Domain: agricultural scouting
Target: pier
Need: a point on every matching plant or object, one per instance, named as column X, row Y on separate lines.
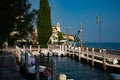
column 106, row 60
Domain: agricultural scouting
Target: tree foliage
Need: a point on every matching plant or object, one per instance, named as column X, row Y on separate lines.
column 15, row 15
column 44, row 23
column 9, row 10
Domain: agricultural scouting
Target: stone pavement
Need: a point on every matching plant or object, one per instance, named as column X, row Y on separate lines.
column 8, row 68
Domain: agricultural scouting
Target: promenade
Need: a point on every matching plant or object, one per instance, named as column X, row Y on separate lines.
column 8, row 68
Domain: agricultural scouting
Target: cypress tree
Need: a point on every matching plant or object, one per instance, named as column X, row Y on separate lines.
column 44, row 27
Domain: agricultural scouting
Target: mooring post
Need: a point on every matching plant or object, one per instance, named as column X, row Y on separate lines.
column 26, row 64
column 87, row 54
column 69, row 51
column 73, row 51
column 60, row 48
column 79, row 53
column 104, row 59
column 38, row 48
column 92, row 56
column 30, row 49
column 37, row 68
column 24, row 48
column 65, row 49
column 22, row 59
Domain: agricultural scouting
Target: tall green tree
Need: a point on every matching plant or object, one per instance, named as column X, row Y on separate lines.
column 44, row 27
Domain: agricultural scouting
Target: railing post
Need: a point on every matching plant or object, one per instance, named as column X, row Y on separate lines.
column 92, row 56
column 66, row 49
column 104, row 59
column 73, row 51
column 79, row 54
column 87, row 54
column 60, row 48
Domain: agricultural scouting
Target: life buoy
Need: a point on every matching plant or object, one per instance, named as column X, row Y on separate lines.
column 47, row 71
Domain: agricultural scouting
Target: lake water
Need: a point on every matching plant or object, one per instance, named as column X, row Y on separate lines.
column 77, row 70
column 104, row 45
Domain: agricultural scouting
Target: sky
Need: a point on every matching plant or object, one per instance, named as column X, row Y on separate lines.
column 71, row 13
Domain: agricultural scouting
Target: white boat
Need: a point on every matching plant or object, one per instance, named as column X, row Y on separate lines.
column 32, row 69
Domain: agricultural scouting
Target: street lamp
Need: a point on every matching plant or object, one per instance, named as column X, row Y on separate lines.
column 98, row 20
column 81, row 35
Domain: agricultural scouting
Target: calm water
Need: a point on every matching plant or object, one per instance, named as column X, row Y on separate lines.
column 77, row 70
column 105, row 45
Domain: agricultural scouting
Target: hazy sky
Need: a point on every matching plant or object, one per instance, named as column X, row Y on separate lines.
column 70, row 13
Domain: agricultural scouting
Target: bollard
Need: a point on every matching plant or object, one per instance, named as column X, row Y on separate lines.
column 92, row 56
column 37, row 67
column 87, row 55
column 104, row 60
column 79, row 54
column 62, row 77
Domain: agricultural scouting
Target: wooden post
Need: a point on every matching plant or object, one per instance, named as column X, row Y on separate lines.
column 30, row 48
column 38, row 49
column 104, row 59
column 73, row 51
column 60, row 48
column 92, row 56
column 26, row 64
column 37, row 68
column 48, row 54
column 87, row 54
column 66, row 48
column 24, row 48
column 79, row 54
column 69, row 52
column 22, row 59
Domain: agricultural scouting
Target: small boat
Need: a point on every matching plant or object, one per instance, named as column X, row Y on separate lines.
column 45, row 73
column 115, row 76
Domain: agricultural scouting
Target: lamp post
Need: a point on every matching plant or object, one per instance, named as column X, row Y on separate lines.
column 98, row 20
column 81, row 35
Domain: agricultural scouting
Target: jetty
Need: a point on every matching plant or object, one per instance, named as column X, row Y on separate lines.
column 107, row 60
column 104, row 59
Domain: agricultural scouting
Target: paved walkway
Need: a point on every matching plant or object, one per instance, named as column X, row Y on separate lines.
column 8, row 68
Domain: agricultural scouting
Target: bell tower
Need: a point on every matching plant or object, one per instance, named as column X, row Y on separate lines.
column 58, row 27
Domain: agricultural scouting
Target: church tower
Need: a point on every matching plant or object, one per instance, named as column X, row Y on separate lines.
column 58, row 27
